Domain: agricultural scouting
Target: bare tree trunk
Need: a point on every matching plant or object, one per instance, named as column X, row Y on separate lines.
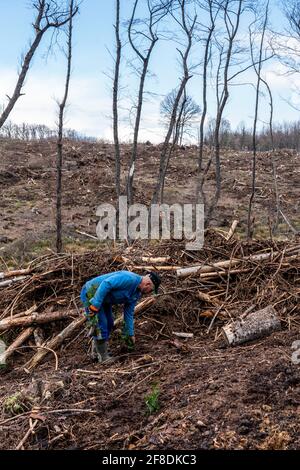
column 115, row 99
column 59, row 160
column 48, row 16
column 200, row 182
column 164, row 156
column 273, row 156
column 258, row 72
column 131, row 171
column 232, row 29
column 156, row 13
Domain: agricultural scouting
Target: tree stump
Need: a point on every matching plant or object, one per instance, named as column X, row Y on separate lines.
column 254, row 326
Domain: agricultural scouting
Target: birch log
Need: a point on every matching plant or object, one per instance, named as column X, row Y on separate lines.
column 254, row 326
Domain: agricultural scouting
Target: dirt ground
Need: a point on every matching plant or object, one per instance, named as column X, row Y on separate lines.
column 203, row 394
column 27, row 178
column 210, row 396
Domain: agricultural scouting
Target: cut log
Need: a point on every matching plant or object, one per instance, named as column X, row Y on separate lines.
column 2, row 351
column 154, row 268
column 16, row 344
column 33, row 319
column 207, row 298
column 19, row 272
column 8, row 282
column 144, row 304
column 254, row 326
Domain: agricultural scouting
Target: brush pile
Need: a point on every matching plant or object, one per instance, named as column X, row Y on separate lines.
column 201, row 290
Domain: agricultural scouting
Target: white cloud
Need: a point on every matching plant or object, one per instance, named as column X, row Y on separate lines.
column 87, row 111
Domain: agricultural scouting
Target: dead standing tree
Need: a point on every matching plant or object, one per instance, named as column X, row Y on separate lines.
column 232, row 11
column 188, row 29
column 49, row 15
column 62, row 105
column 258, row 70
column 115, row 99
column 213, row 8
column 143, row 37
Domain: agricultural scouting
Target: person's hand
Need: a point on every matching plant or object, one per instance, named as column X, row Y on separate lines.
column 93, row 310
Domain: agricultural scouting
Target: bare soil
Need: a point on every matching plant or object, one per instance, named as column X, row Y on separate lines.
column 27, row 192
column 210, row 396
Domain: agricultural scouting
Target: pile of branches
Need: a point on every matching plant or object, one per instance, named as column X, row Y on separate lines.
column 201, row 290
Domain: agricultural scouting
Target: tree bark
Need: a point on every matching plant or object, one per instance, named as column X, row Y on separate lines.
column 115, row 100
column 55, row 342
column 59, row 160
column 254, row 326
column 16, row 344
column 34, row 319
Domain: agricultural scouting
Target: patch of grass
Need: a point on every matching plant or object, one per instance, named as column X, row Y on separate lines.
column 80, row 246
column 152, row 400
column 39, row 247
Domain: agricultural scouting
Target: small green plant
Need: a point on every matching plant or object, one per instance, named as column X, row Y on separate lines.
column 152, row 400
column 16, row 404
column 127, row 339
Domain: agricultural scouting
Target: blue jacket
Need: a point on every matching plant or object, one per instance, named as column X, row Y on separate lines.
column 120, row 287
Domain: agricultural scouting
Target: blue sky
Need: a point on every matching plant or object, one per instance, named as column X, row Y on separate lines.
column 89, row 109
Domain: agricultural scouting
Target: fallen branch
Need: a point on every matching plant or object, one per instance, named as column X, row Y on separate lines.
column 184, row 272
column 33, row 319
column 87, row 235
column 183, row 335
column 293, row 229
column 153, row 268
column 12, row 281
column 16, row 344
column 30, row 431
column 232, row 230
column 19, row 272
column 54, row 343
column 160, row 259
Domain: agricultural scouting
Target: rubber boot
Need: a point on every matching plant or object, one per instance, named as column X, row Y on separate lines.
column 100, row 351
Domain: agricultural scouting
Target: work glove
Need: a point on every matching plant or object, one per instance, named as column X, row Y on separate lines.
column 93, row 311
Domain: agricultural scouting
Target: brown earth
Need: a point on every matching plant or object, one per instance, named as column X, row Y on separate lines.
column 210, row 396
column 27, row 177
